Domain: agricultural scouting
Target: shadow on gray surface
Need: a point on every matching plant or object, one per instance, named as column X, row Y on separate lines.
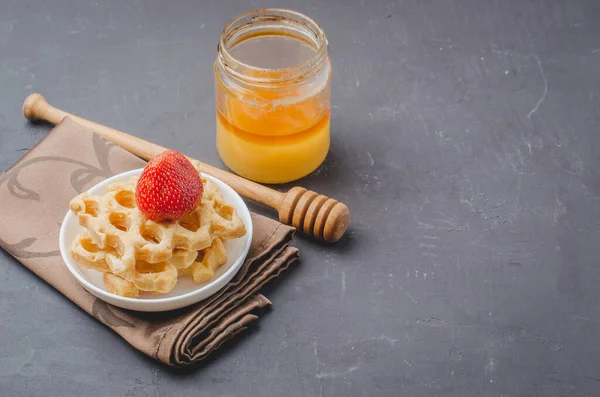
column 40, row 125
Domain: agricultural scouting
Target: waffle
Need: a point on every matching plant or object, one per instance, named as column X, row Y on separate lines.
column 137, row 254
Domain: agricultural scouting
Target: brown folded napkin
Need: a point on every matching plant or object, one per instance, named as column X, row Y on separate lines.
column 35, row 193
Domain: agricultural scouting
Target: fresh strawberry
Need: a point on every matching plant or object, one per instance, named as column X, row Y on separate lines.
column 169, row 187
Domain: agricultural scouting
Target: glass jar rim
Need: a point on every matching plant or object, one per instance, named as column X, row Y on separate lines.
column 302, row 25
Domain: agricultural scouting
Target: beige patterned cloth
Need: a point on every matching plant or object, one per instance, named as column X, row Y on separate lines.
column 35, row 194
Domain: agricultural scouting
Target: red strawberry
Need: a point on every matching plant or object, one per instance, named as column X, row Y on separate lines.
column 169, row 187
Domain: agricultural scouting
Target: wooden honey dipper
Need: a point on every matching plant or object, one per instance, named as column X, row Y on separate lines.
column 314, row 214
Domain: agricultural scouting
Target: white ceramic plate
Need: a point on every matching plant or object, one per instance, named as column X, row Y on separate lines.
column 186, row 291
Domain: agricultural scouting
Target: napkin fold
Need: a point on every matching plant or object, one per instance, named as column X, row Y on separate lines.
column 35, row 193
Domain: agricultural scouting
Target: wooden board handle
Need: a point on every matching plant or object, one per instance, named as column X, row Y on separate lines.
column 314, row 214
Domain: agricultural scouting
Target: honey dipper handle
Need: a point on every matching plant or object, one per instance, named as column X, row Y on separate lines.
column 308, row 211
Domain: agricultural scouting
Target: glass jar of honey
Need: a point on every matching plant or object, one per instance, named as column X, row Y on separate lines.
column 273, row 89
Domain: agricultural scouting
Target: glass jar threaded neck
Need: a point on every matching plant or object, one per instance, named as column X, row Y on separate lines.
column 271, row 22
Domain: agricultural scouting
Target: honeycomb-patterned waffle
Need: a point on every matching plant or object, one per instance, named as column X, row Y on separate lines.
column 137, row 254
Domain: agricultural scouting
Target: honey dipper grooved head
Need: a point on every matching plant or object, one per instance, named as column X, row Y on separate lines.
column 316, row 215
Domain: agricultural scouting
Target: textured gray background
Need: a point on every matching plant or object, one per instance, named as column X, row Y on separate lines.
column 465, row 141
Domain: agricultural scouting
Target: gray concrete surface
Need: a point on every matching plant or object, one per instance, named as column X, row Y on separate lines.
column 465, row 140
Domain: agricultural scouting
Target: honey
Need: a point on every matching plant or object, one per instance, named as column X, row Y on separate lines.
column 272, row 79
